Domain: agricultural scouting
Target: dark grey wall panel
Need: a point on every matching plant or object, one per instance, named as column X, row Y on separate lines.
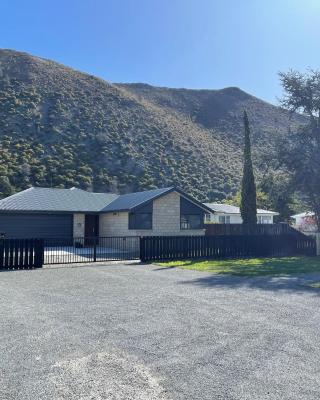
column 21, row 225
column 187, row 207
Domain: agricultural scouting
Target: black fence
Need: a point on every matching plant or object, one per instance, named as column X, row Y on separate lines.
column 91, row 249
column 188, row 247
column 33, row 253
column 21, row 253
column 250, row 229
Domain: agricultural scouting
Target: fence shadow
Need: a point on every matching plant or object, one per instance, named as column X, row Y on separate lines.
column 299, row 283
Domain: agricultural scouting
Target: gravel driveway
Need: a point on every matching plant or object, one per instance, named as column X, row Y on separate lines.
column 140, row 332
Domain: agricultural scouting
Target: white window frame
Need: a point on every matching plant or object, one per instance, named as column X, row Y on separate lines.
column 264, row 219
column 224, row 219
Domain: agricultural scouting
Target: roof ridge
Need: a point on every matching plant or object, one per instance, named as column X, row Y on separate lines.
column 17, row 194
column 150, row 190
column 107, row 193
column 50, row 188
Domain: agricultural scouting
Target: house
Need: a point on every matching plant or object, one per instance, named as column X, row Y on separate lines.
column 228, row 214
column 67, row 213
column 305, row 222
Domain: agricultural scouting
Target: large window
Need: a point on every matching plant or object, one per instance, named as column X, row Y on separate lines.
column 191, row 215
column 141, row 218
column 224, row 219
column 140, row 221
column 191, row 221
column 264, row 219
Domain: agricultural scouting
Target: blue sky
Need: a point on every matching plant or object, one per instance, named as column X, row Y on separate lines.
column 207, row 44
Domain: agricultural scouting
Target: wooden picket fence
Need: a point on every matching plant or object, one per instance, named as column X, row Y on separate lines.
column 241, row 246
column 21, row 253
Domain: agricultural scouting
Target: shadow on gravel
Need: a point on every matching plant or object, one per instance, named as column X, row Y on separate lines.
column 298, row 283
column 165, row 268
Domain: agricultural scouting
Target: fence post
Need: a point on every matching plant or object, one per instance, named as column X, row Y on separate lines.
column 95, row 249
column 141, row 253
column 318, row 243
column 1, row 253
column 42, row 252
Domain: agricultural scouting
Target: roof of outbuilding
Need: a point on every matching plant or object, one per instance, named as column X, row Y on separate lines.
column 303, row 214
column 229, row 209
column 56, row 200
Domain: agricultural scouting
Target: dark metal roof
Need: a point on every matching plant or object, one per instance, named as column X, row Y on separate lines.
column 55, row 200
column 76, row 200
column 130, row 201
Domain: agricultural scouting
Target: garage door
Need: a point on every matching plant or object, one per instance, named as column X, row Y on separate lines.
column 36, row 225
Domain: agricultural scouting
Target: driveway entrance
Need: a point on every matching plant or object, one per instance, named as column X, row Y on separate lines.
column 92, row 249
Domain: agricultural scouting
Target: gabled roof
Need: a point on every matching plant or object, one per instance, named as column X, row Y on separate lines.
column 129, row 201
column 56, row 200
column 77, row 200
column 229, row 209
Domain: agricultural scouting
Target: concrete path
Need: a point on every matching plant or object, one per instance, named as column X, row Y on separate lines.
column 140, row 332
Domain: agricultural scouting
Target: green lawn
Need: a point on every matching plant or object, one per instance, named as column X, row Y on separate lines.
column 251, row 266
column 315, row 285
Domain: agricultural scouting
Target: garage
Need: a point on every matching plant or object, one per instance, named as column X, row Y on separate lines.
column 23, row 225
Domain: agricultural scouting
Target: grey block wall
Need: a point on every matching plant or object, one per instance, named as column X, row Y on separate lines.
column 78, row 225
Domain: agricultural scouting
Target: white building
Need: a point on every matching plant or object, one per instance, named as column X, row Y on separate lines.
column 228, row 214
column 305, row 221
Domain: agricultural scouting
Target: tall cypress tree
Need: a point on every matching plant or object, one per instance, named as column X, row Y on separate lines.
column 248, row 205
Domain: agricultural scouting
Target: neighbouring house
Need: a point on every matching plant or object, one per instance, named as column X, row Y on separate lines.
column 305, row 222
column 70, row 213
column 228, row 214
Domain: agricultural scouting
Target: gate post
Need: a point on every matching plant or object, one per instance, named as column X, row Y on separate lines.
column 39, row 253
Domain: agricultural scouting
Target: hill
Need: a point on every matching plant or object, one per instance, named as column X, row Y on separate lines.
column 62, row 128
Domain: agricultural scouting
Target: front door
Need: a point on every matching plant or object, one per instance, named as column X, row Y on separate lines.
column 91, row 228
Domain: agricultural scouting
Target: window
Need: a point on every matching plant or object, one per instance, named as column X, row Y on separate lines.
column 224, row 219
column 191, row 215
column 264, row 219
column 207, row 217
column 140, row 220
column 189, row 221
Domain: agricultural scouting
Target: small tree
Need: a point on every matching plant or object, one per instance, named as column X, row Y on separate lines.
column 5, row 187
column 248, row 206
column 263, row 200
column 301, row 154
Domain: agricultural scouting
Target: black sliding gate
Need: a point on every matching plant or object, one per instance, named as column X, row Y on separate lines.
column 21, row 253
column 91, row 249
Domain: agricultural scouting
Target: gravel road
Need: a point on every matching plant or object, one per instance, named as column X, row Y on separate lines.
column 145, row 333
